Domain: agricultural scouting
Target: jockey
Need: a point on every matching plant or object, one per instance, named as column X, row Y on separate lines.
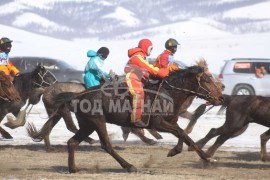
column 94, row 71
column 5, row 64
column 165, row 59
column 137, row 69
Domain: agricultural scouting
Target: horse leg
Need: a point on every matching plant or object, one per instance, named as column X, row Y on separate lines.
column 164, row 126
column 155, row 133
column 140, row 133
column 20, row 118
column 194, row 117
column 52, row 121
column 264, row 138
column 71, row 126
column 211, row 134
column 73, row 142
column 106, row 145
column 219, row 141
column 5, row 134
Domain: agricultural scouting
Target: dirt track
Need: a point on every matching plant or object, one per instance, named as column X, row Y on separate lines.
column 32, row 162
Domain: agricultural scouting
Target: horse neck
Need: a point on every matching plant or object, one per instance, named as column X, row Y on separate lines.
column 23, row 84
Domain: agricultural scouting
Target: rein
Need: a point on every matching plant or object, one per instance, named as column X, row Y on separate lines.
column 207, row 96
column 43, row 81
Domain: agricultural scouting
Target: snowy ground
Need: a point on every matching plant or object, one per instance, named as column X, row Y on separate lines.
column 248, row 141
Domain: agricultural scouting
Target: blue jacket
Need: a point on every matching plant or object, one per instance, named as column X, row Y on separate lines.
column 94, row 70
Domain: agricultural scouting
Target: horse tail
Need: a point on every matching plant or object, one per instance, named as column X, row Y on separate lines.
column 64, row 97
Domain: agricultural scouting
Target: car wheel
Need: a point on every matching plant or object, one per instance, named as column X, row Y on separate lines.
column 243, row 90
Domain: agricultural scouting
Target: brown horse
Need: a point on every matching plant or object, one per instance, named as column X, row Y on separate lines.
column 241, row 110
column 30, row 87
column 183, row 112
column 8, row 92
column 108, row 104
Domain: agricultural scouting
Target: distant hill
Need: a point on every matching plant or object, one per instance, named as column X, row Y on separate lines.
column 117, row 19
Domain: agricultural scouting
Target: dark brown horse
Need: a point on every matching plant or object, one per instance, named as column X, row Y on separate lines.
column 51, row 92
column 241, row 110
column 183, row 112
column 30, row 87
column 108, row 104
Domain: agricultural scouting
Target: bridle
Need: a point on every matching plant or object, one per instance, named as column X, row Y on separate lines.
column 206, row 96
column 44, row 83
column 4, row 98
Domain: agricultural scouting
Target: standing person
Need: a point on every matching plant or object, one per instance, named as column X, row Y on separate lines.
column 138, row 69
column 5, row 64
column 94, row 71
column 166, row 58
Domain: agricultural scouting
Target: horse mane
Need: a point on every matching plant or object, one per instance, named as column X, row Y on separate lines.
column 202, row 63
column 4, row 78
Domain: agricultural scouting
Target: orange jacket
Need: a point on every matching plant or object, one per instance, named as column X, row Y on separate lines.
column 162, row 61
column 138, row 65
column 6, row 65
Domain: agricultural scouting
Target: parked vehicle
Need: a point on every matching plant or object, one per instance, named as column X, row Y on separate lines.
column 62, row 70
column 240, row 78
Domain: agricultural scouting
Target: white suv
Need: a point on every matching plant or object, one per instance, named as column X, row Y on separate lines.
column 240, row 78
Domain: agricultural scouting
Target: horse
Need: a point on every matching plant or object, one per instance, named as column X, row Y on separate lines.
column 51, row 92
column 184, row 113
column 8, row 92
column 241, row 110
column 30, row 86
column 111, row 104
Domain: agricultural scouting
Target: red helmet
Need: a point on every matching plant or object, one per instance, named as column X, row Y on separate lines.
column 146, row 45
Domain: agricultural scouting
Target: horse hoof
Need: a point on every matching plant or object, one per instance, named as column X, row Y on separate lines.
column 72, row 170
column 125, row 136
column 132, row 169
column 151, row 142
column 7, row 136
column 265, row 159
column 159, row 137
column 92, row 141
column 173, row 152
column 7, row 124
column 211, row 159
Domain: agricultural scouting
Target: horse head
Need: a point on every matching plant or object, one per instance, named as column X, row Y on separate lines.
column 202, row 63
column 195, row 81
column 8, row 91
column 42, row 77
